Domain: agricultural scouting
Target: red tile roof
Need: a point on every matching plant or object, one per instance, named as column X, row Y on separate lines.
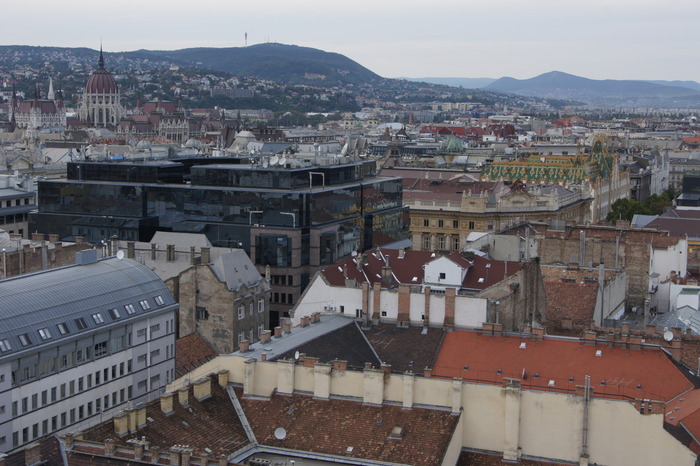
column 330, row 427
column 192, row 352
column 405, row 269
column 211, row 423
column 574, row 300
column 621, row 369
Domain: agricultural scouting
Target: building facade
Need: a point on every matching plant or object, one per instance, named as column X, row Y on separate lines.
column 81, row 342
column 100, row 105
column 294, row 217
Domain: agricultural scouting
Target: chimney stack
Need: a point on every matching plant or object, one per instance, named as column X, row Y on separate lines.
column 166, row 403
column 202, row 389
column 223, row 378
column 183, row 396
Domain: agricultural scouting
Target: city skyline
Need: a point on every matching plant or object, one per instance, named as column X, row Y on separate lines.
column 606, row 40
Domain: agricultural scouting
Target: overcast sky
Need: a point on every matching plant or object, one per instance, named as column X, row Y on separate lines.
column 598, row 39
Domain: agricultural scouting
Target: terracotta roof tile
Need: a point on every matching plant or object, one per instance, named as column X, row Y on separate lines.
column 574, row 300
column 405, row 348
column 330, row 427
column 191, row 352
column 211, row 423
column 472, row 356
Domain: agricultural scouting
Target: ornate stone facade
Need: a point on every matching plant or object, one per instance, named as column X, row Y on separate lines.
column 100, row 104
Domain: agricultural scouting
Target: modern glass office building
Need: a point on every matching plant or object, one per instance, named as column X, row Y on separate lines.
column 295, row 216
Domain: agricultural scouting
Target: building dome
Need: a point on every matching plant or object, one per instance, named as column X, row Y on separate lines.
column 101, row 80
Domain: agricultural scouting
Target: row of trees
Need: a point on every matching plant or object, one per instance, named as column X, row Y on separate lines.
column 656, row 204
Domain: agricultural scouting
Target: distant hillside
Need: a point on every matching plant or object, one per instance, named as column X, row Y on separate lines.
column 558, row 85
column 467, row 83
column 277, row 62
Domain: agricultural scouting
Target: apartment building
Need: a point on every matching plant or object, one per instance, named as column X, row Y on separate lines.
column 79, row 343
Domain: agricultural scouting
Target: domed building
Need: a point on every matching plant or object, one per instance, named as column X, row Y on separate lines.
column 100, row 104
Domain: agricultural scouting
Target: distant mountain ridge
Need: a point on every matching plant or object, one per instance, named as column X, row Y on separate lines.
column 468, row 83
column 273, row 61
column 559, row 85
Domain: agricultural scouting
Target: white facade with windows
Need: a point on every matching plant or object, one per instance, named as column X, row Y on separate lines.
column 80, row 343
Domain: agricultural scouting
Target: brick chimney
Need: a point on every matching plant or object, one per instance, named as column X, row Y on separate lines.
column 278, row 332
column 53, row 237
column 32, row 454
column 305, row 321
column 265, row 336
column 131, row 250
column 339, row 365
column 244, row 346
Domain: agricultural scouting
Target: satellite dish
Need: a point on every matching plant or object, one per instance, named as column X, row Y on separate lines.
column 266, row 163
column 354, row 254
column 296, row 355
column 283, row 161
column 120, row 254
column 274, row 160
column 668, row 335
column 280, row 433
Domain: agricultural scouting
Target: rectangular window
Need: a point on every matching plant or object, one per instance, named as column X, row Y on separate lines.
column 80, row 323
column 35, row 401
column 98, row 405
column 35, row 430
column 63, row 419
column 25, row 404
column 81, row 384
column 129, row 309
column 159, row 300
column 241, row 312
column 97, row 317
column 143, row 384
column 62, row 328
column 426, row 242
column 455, row 243
column 471, row 225
column 44, row 397
column 426, row 222
column 89, row 381
column 114, row 313
column 44, row 333
column 241, row 337
column 71, row 387
column 97, row 378
column 154, row 328
column 81, row 412
column 101, row 349
column 455, row 223
column 53, row 394
column 141, row 332
column 144, row 304
column 261, row 305
column 54, row 423
column 441, row 223
column 154, row 354
column 251, row 309
column 141, row 359
column 24, row 339
column 5, row 346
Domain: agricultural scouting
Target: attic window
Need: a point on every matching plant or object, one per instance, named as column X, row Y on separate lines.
column 44, row 333
column 598, row 353
column 488, row 266
column 5, row 346
column 523, row 345
column 159, row 300
column 481, row 280
column 396, row 433
column 442, row 275
column 24, row 339
column 551, row 383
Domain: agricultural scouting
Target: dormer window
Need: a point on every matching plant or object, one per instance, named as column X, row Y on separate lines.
column 442, row 275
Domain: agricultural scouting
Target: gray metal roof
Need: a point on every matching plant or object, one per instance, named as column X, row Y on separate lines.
column 42, row 300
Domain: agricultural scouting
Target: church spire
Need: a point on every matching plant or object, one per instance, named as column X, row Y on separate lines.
column 101, row 60
column 50, row 95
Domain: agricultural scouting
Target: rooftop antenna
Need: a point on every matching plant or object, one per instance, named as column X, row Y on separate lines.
column 246, row 39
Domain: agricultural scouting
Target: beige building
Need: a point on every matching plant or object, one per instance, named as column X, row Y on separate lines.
column 511, row 396
column 443, row 212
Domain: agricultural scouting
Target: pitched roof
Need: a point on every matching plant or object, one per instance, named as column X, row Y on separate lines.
column 210, row 423
column 469, row 355
column 574, row 300
column 405, row 348
column 191, row 352
column 332, row 426
column 346, row 343
column 408, row 269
